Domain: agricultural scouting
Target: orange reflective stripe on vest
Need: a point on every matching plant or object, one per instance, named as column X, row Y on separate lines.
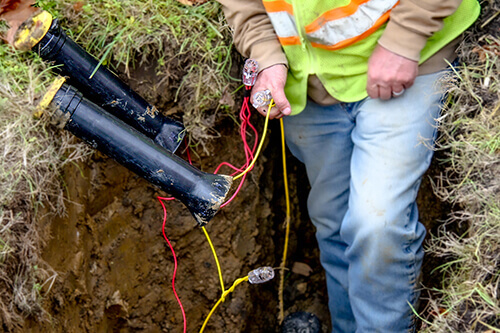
column 281, row 15
column 334, row 29
column 346, row 25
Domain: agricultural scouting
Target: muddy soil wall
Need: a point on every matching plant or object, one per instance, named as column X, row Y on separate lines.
column 114, row 267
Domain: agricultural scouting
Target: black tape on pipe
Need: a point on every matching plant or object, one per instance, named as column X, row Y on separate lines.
column 106, row 89
column 202, row 193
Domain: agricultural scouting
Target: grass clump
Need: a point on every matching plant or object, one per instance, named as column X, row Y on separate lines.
column 30, row 170
column 469, row 298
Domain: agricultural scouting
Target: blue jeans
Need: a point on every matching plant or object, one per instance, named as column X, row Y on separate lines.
column 365, row 162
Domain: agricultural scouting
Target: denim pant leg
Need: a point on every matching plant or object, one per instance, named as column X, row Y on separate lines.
column 365, row 162
column 320, row 137
column 392, row 150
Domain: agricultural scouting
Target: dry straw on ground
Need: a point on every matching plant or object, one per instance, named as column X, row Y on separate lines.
column 469, row 299
column 30, row 185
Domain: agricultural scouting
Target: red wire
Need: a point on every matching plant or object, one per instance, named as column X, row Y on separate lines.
column 231, row 166
column 187, row 153
column 175, row 260
column 249, row 153
column 245, row 115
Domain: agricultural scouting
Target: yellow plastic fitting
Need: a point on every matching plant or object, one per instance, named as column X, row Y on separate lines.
column 32, row 31
column 49, row 96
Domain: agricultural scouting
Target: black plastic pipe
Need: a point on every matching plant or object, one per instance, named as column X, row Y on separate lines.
column 106, row 89
column 202, row 193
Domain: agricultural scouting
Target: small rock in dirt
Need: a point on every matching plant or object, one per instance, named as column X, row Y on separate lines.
column 301, row 268
column 58, row 303
column 139, row 209
column 126, row 202
column 302, row 287
column 77, row 263
column 116, row 307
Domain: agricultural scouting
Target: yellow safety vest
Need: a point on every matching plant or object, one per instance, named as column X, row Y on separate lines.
column 334, row 39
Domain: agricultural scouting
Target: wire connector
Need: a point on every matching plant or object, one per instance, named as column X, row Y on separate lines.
column 262, row 98
column 261, row 275
column 250, row 71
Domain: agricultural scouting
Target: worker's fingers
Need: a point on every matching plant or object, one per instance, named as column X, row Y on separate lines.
column 281, row 106
column 273, row 79
column 397, row 90
column 281, row 115
column 273, row 113
column 384, row 92
column 281, row 102
column 389, row 74
column 372, row 90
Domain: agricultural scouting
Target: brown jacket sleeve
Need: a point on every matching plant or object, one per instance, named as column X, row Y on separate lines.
column 412, row 22
column 253, row 33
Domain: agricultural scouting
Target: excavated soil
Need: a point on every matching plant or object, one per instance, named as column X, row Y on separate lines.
column 114, row 267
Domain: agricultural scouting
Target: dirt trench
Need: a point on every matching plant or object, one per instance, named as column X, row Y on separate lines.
column 114, row 268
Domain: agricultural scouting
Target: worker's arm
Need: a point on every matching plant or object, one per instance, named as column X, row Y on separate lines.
column 254, row 37
column 393, row 65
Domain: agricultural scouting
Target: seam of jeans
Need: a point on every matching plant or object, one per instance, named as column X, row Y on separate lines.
column 412, row 276
column 352, row 108
column 347, row 107
column 412, row 298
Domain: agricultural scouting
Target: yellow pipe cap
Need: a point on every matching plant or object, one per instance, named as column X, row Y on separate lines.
column 32, row 31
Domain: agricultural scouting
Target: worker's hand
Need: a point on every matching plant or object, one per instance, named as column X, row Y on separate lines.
column 273, row 78
column 389, row 74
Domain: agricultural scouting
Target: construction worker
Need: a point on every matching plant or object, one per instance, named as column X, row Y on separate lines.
column 358, row 82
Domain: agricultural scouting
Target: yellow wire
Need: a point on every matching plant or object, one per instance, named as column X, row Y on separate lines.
column 287, row 222
column 260, row 143
column 240, row 280
column 221, row 299
column 285, row 176
column 216, row 259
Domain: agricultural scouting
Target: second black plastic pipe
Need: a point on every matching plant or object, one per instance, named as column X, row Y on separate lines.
column 202, row 193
